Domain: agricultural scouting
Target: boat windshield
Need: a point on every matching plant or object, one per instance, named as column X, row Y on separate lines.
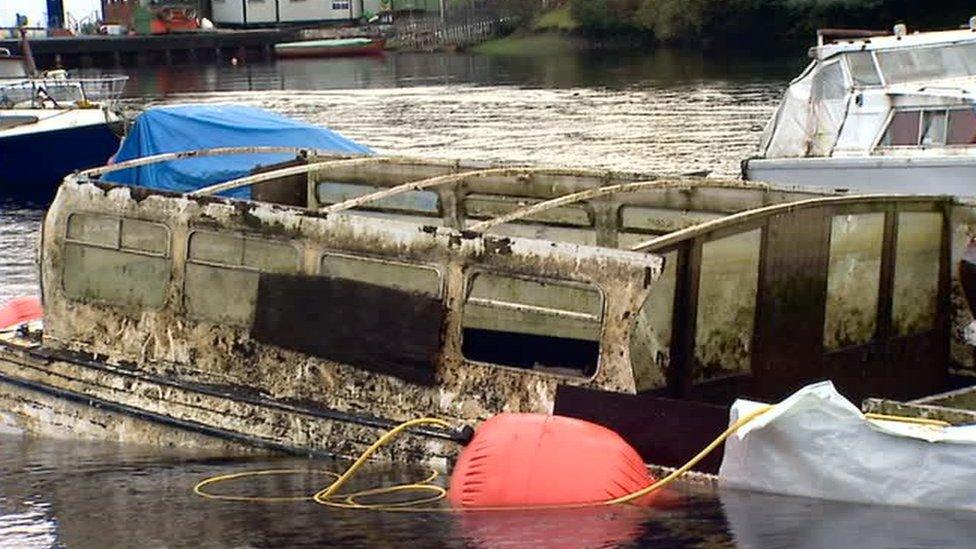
column 914, row 64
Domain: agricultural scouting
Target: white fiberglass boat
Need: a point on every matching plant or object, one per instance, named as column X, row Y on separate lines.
column 878, row 112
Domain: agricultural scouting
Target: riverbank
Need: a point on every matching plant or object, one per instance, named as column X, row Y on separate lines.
column 728, row 24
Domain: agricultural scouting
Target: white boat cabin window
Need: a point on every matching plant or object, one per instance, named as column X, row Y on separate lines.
column 927, row 63
column 930, row 127
column 903, row 130
column 543, row 325
column 405, row 277
column 863, row 70
column 119, row 261
column 222, row 273
column 962, row 127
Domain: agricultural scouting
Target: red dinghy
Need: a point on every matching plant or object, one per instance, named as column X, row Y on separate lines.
column 334, row 47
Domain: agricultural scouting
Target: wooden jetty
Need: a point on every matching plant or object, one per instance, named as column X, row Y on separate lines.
column 101, row 50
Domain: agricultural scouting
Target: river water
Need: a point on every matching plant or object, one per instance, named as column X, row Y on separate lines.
column 662, row 111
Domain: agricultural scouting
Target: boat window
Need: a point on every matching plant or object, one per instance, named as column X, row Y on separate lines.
column 222, row 274
column 903, row 129
column 101, row 230
column 540, row 325
column 863, row 69
column 907, row 65
column 650, row 340
column 918, row 254
column 399, row 276
column 420, row 202
column 829, row 101
column 853, row 279
column 486, row 206
column 119, row 261
column 727, row 290
column 933, row 127
column 962, row 127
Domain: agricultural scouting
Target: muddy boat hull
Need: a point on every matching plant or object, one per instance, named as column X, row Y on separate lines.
column 64, row 396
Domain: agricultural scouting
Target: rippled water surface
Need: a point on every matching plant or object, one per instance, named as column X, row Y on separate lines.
column 665, row 111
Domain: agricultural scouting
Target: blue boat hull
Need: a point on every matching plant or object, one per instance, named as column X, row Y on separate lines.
column 33, row 165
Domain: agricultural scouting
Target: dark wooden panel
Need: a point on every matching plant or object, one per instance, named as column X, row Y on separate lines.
column 664, row 431
column 375, row 328
column 788, row 340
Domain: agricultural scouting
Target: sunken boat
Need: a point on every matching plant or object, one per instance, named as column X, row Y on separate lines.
column 349, row 293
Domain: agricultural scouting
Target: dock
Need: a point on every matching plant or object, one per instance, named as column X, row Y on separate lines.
column 102, row 50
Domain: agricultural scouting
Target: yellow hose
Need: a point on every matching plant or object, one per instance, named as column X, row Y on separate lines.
column 330, row 497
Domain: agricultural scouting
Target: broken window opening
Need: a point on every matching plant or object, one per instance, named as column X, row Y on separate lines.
column 545, row 326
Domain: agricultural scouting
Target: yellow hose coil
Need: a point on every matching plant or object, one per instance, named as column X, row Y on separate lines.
column 330, row 496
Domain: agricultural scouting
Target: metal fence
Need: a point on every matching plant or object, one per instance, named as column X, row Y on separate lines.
column 459, row 23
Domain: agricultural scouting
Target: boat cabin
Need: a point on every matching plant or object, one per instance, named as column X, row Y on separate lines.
column 878, row 112
column 394, row 288
column 889, row 95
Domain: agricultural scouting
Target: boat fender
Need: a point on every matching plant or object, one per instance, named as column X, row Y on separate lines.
column 20, row 310
column 527, row 460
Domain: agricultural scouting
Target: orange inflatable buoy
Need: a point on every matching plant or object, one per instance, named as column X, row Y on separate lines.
column 527, row 460
column 20, row 310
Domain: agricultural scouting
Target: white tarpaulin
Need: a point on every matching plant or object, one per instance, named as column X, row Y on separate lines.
column 817, row 444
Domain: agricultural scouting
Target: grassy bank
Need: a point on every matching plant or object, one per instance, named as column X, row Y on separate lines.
column 542, row 43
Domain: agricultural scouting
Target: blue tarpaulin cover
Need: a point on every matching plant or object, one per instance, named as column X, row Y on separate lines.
column 192, row 127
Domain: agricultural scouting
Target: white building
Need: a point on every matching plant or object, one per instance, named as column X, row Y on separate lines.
column 272, row 12
column 34, row 10
column 73, row 12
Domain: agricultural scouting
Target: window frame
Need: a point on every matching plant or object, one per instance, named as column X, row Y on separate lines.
column 440, row 295
column 879, row 140
column 166, row 254
column 471, row 274
column 245, row 236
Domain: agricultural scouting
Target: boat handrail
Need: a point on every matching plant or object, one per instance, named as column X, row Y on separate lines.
column 670, row 239
column 96, row 89
column 422, row 184
column 285, row 172
column 823, row 35
column 332, row 159
column 202, row 153
column 588, row 194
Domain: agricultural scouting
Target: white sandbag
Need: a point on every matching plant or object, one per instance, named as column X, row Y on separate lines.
column 818, row 444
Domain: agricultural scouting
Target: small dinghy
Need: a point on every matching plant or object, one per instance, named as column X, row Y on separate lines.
column 333, row 47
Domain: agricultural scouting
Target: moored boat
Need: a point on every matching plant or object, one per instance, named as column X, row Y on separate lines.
column 332, row 47
column 52, row 124
column 878, row 111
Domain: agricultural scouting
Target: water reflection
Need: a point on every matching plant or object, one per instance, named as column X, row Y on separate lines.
column 614, row 70
column 763, row 520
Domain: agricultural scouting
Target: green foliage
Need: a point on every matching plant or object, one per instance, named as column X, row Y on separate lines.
column 757, row 22
column 601, row 16
column 558, row 19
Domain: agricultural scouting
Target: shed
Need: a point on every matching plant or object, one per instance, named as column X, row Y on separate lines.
column 247, row 13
